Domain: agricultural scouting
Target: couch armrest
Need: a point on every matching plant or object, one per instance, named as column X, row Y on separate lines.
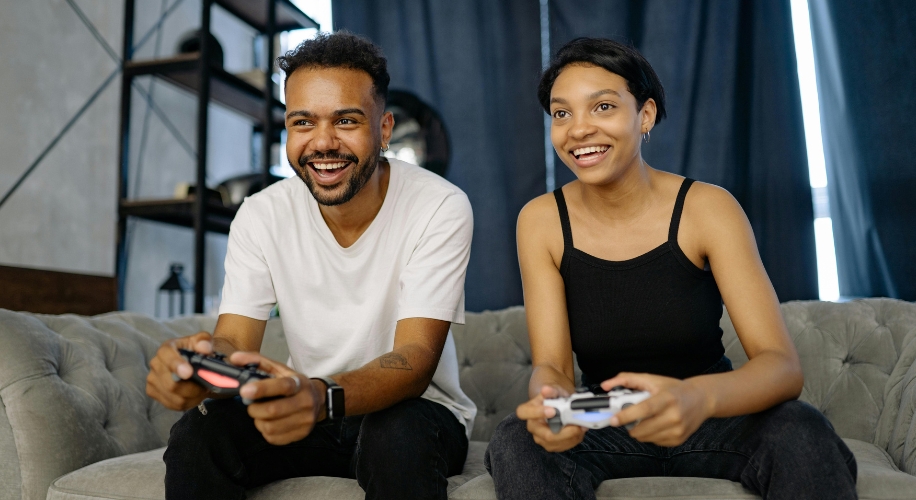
column 73, row 393
column 901, row 443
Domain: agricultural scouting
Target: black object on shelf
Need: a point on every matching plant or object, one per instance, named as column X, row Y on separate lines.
column 200, row 72
column 190, row 43
column 174, row 286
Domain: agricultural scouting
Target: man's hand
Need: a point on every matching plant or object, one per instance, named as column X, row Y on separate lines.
column 161, row 384
column 676, row 409
column 296, row 409
column 536, row 414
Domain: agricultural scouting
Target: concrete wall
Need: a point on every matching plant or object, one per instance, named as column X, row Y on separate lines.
column 63, row 217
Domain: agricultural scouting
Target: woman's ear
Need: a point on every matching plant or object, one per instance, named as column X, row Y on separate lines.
column 647, row 115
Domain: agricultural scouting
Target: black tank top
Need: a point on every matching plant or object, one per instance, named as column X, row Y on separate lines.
column 656, row 313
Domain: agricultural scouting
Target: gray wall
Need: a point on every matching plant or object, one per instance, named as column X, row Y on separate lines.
column 63, row 217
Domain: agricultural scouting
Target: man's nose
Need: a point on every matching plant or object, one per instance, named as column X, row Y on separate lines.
column 325, row 138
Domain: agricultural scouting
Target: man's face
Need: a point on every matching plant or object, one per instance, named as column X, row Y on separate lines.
column 335, row 129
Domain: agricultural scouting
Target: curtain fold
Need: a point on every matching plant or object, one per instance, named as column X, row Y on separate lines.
column 734, row 111
column 865, row 77
column 478, row 63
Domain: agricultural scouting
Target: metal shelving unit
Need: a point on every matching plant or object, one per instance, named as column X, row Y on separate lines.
column 211, row 84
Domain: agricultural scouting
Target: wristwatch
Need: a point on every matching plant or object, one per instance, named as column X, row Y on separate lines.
column 334, row 399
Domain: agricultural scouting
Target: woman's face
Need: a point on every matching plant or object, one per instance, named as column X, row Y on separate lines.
column 595, row 125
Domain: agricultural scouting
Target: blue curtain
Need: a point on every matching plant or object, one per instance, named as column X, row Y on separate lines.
column 478, row 63
column 865, row 73
column 734, row 111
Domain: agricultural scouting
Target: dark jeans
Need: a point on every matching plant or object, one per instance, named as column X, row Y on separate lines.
column 787, row 452
column 405, row 451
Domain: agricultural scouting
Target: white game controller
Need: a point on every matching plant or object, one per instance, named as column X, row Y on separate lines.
column 592, row 411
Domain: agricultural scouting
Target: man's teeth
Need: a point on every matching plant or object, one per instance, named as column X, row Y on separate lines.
column 590, row 149
column 329, row 166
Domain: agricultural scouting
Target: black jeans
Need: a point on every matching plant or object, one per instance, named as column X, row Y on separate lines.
column 787, row 452
column 405, row 451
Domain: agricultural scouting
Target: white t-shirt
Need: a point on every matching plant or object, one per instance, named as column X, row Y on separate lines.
column 340, row 306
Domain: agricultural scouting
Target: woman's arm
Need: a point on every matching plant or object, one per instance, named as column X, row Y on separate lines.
column 714, row 225
column 540, row 250
column 773, row 374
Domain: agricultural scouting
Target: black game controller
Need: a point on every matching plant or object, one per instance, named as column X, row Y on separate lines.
column 219, row 376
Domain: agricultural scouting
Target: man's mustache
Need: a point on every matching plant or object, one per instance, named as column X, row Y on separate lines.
column 303, row 160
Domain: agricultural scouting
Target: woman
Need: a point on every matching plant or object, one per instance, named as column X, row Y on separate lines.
column 628, row 267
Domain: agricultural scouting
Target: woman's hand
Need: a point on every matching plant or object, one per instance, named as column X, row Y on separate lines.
column 536, row 414
column 676, row 409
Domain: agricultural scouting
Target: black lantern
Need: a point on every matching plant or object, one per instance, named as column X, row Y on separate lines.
column 174, row 287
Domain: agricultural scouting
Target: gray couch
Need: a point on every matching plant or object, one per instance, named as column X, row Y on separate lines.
column 75, row 422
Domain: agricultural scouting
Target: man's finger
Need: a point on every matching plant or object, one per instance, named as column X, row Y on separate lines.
column 272, row 387
column 275, row 368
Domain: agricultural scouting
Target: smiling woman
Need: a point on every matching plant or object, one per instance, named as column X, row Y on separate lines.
column 628, row 267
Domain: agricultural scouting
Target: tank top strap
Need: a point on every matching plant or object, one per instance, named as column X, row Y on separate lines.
column 564, row 219
column 678, row 208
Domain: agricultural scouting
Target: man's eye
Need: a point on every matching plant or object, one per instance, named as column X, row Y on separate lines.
column 347, row 121
column 604, row 106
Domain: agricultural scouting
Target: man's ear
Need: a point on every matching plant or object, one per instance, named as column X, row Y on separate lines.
column 648, row 114
column 387, row 125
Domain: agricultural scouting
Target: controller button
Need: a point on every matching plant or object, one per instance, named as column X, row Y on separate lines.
column 252, row 366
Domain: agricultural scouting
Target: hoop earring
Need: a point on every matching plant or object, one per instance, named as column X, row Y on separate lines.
column 385, row 148
column 645, row 137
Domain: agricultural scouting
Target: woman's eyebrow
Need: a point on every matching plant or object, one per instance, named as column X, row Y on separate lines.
column 595, row 95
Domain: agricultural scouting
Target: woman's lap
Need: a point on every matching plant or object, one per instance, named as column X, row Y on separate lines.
column 791, row 437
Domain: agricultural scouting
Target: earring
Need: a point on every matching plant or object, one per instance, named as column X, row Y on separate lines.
column 645, row 137
column 385, row 148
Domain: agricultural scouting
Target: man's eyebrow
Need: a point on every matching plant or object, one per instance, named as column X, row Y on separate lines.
column 340, row 112
column 349, row 111
column 600, row 93
column 300, row 114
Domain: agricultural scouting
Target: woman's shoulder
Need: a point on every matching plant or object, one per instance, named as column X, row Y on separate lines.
column 539, row 210
column 710, row 203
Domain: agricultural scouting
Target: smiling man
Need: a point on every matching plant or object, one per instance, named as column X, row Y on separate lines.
column 366, row 258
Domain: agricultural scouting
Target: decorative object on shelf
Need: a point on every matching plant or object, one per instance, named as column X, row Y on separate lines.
column 189, row 43
column 419, row 134
column 234, row 190
column 174, row 286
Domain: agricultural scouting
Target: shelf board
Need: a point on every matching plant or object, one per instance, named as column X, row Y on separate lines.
column 254, row 13
column 225, row 88
column 179, row 212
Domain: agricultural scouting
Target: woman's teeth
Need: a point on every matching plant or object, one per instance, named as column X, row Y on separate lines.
column 589, row 150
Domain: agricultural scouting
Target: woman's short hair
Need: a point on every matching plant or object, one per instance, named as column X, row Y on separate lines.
column 615, row 57
column 340, row 49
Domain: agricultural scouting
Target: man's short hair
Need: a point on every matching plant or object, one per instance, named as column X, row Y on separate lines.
column 341, row 49
column 615, row 57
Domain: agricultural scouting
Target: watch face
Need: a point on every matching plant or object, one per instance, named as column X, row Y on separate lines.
column 335, row 403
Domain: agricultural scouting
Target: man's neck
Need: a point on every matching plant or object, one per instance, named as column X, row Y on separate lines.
column 350, row 220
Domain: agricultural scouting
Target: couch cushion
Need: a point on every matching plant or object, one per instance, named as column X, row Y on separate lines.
column 141, row 477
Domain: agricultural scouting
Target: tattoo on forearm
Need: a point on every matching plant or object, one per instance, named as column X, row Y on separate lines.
column 395, row 361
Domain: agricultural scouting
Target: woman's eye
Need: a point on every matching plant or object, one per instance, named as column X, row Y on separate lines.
column 559, row 114
column 604, row 106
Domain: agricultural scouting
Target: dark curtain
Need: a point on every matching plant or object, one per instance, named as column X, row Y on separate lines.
column 866, row 75
column 734, row 111
column 477, row 62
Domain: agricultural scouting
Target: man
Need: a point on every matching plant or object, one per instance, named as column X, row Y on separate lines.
column 366, row 259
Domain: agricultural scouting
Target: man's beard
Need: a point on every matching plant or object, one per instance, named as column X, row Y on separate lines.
column 358, row 178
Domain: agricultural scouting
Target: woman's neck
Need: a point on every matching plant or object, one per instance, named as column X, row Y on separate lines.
column 622, row 200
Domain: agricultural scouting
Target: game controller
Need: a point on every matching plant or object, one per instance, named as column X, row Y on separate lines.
column 592, row 411
column 219, row 376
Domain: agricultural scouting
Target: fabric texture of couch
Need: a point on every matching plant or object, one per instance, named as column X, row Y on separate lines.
column 75, row 422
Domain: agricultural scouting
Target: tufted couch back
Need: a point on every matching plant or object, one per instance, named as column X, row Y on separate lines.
column 72, row 388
